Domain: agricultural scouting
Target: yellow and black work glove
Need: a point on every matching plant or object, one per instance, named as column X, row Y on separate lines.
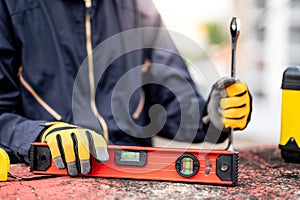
column 71, row 147
column 229, row 104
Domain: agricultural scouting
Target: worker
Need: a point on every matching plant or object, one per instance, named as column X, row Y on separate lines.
column 42, row 46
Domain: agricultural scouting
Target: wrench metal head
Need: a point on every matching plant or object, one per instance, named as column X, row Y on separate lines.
column 235, row 27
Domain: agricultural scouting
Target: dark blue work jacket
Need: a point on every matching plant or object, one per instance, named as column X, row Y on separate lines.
column 48, row 39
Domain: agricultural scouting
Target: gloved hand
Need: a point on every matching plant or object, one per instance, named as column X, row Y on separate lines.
column 230, row 104
column 72, row 145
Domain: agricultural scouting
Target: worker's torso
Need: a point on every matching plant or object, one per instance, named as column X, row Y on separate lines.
column 52, row 39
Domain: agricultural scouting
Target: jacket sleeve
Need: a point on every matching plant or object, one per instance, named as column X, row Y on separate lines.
column 177, row 93
column 16, row 132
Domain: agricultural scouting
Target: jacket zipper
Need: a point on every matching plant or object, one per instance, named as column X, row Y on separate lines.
column 88, row 5
column 50, row 110
column 139, row 108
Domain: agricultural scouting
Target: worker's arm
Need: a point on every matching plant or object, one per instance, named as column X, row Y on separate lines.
column 184, row 106
column 16, row 132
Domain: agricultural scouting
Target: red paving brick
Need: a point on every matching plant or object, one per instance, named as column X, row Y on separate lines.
column 263, row 175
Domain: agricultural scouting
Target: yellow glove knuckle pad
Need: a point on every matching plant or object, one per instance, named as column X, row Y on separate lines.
column 83, row 146
column 52, row 143
column 236, row 89
column 235, row 113
column 233, row 123
column 68, row 146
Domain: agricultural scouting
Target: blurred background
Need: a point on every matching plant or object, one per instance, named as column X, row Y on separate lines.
column 269, row 42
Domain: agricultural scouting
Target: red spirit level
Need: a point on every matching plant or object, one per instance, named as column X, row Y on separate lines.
column 152, row 163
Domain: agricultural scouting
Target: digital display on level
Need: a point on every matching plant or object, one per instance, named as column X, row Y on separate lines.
column 132, row 156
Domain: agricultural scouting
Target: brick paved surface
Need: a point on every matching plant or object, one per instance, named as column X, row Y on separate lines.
column 263, row 175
